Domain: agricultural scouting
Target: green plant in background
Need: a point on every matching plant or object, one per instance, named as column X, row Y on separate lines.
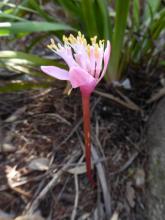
column 15, row 26
column 146, row 31
column 133, row 28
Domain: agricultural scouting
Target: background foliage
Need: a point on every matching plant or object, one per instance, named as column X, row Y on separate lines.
column 135, row 29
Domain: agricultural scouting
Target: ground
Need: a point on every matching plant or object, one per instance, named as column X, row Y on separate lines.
column 42, row 164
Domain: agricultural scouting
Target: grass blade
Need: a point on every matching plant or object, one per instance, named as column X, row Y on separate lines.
column 35, row 5
column 27, row 58
column 122, row 8
column 11, row 16
column 8, row 28
column 14, row 6
column 105, row 27
column 136, row 14
column 19, row 86
column 151, row 7
column 89, row 17
column 70, row 6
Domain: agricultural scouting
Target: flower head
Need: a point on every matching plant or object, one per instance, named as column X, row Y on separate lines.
column 87, row 62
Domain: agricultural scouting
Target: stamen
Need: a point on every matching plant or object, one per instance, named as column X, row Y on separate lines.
column 52, row 41
column 52, row 45
column 88, row 49
column 65, row 39
column 93, row 40
column 80, row 34
column 101, row 43
column 79, row 40
column 59, row 45
column 72, row 39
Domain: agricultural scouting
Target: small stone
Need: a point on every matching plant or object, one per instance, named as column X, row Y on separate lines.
column 40, row 164
column 7, row 147
column 139, row 178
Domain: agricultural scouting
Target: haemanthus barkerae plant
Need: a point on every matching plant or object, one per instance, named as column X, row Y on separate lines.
column 87, row 65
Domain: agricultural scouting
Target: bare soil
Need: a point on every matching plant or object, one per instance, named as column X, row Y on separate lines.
column 47, row 124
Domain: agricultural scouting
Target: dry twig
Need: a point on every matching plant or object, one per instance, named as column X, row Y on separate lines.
column 74, row 212
column 126, row 165
column 157, row 96
column 103, row 183
column 127, row 103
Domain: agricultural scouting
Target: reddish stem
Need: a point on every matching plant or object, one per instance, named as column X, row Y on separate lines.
column 86, row 124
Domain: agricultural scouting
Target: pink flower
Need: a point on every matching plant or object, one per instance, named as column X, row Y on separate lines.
column 87, row 65
column 87, row 62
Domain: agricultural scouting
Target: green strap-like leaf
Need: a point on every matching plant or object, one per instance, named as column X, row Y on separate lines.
column 10, row 16
column 151, row 7
column 35, row 4
column 7, row 28
column 70, row 6
column 136, row 14
column 27, row 58
column 17, row 86
column 103, row 19
column 122, row 9
column 89, row 17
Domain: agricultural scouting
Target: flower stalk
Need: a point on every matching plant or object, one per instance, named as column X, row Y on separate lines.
column 86, row 125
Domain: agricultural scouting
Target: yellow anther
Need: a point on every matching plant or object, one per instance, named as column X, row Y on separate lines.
column 52, row 41
column 81, row 42
column 79, row 34
column 72, row 39
column 81, row 39
column 52, row 45
column 49, row 46
column 88, row 49
column 65, row 39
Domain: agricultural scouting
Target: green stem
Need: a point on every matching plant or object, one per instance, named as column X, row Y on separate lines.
column 86, row 124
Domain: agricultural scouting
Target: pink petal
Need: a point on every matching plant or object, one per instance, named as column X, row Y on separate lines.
column 82, row 62
column 92, row 60
column 99, row 61
column 56, row 72
column 106, row 59
column 67, row 56
column 88, row 88
column 79, row 77
column 81, row 55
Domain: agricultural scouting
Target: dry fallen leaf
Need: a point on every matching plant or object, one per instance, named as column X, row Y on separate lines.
column 35, row 216
column 39, row 164
column 130, row 194
column 115, row 216
column 13, row 175
column 79, row 169
column 7, row 147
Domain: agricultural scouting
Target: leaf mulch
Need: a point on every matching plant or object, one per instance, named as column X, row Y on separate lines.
column 42, row 165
